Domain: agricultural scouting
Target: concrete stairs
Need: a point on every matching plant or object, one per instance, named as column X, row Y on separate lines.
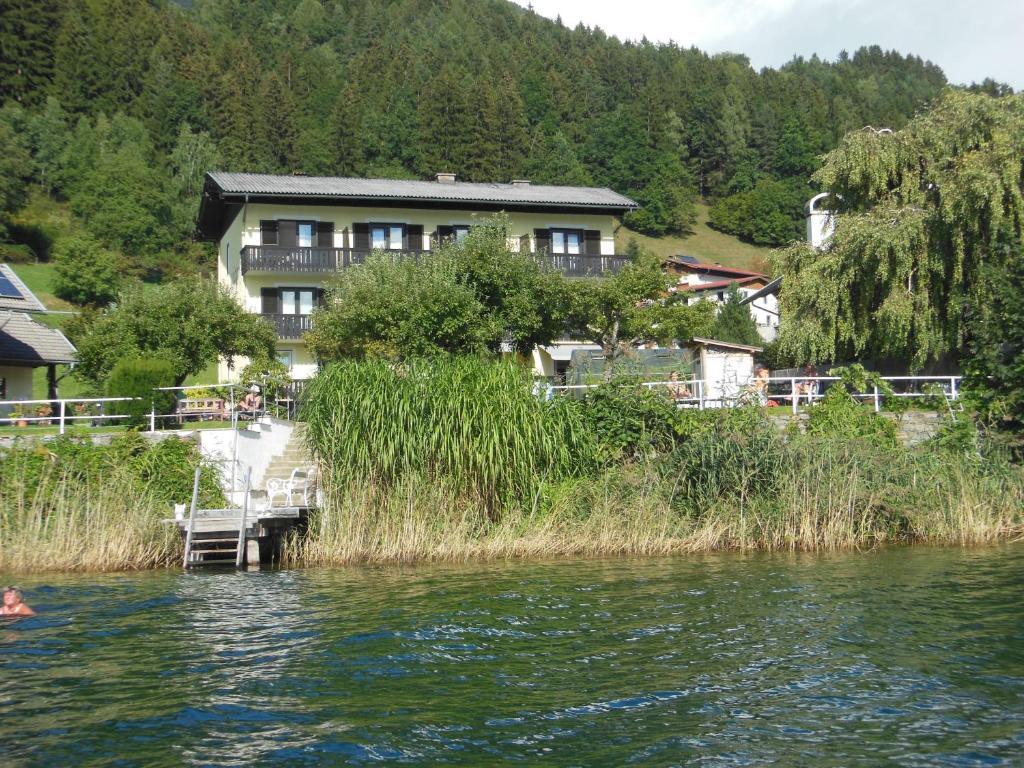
column 295, row 456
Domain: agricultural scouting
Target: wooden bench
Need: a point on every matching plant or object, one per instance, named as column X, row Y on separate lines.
column 202, row 408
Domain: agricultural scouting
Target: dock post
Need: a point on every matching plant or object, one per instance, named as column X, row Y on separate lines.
column 61, row 421
column 240, row 552
column 192, row 518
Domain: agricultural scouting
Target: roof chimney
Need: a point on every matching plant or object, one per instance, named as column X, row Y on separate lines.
column 520, row 182
column 446, row 178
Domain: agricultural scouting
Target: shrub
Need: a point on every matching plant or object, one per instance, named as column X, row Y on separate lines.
column 628, row 420
column 137, row 377
column 86, row 273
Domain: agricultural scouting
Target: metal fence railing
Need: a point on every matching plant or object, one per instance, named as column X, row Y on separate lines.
column 790, row 392
column 226, row 404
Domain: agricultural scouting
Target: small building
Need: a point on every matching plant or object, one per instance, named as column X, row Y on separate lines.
column 699, row 281
column 725, row 369
column 25, row 343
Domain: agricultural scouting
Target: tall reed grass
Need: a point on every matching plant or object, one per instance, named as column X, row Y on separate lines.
column 61, row 523
column 814, row 495
column 471, row 424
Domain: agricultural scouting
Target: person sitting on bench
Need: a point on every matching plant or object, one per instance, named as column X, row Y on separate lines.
column 251, row 403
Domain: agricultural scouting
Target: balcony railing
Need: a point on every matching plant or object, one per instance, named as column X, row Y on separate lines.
column 279, row 258
column 289, row 326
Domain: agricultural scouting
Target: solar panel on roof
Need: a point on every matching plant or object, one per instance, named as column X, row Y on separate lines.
column 7, row 288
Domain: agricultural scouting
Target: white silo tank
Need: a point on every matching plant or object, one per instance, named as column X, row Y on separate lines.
column 821, row 222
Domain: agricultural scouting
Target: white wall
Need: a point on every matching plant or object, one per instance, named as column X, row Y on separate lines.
column 19, row 384
column 254, row 447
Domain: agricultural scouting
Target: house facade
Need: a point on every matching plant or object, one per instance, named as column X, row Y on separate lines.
column 281, row 238
column 698, row 281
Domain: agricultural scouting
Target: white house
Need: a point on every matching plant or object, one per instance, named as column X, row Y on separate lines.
column 26, row 344
column 280, row 238
column 699, row 281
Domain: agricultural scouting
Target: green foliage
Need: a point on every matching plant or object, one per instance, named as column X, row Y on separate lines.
column 15, row 163
column 769, row 214
column 667, row 206
column 838, row 415
column 994, row 361
column 472, row 423
column 138, row 377
column 163, row 470
column 618, row 312
column 463, row 298
column 86, row 272
column 628, row 420
column 927, row 214
column 187, row 322
column 320, row 88
column 733, row 454
column 734, row 322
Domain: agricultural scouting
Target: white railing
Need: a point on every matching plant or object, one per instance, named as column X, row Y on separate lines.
column 785, row 391
column 64, row 413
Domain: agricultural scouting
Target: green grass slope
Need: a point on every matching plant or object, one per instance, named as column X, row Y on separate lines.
column 705, row 243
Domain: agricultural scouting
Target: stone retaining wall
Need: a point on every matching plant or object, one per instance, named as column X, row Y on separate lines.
column 913, row 426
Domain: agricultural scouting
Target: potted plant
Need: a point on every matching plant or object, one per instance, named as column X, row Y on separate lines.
column 18, row 414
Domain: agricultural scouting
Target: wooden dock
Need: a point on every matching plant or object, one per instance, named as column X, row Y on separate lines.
column 236, row 535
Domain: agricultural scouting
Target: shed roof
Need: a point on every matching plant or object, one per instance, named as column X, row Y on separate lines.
column 14, row 294
column 699, row 342
column 24, row 341
column 686, row 264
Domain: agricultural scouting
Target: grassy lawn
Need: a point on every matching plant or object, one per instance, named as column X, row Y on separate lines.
column 40, row 279
column 705, row 243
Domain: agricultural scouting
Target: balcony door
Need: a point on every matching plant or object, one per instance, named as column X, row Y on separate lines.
column 291, row 233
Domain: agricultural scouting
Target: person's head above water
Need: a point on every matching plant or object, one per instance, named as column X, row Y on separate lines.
column 12, row 595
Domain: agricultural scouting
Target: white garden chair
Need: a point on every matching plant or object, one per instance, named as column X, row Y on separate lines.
column 301, row 481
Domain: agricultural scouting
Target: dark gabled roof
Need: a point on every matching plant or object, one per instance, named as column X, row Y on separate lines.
column 717, row 284
column 15, row 295
column 772, row 287
column 23, row 341
column 688, row 265
column 224, row 188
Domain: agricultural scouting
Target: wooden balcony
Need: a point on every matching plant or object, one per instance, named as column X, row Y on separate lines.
column 282, row 259
column 289, row 326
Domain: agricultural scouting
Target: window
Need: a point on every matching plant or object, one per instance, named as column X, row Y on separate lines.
column 305, row 234
column 721, row 295
column 387, row 237
column 284, row 357
column 568, row 241
column 297, row 301
column 460, row 232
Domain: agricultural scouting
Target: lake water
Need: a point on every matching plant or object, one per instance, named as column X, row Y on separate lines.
column 911, row 657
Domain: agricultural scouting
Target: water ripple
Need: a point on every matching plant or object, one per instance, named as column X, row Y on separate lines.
column 906, row 657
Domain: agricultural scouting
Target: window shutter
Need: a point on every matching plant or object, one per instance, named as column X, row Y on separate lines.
column 361, row 237
column 592, row 242
column 287, row 233
column 268, row 233
column 444, row 233
column 319, row 296
column 543, row 237
column 414, row 237
column 325, row 234
column 271, row 303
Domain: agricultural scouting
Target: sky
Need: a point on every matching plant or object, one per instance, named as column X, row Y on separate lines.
column 969, row 40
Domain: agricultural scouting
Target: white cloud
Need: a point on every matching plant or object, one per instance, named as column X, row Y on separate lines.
column 970, row 41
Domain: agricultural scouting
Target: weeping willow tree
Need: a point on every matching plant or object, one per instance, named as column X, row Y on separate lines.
column 925, row 215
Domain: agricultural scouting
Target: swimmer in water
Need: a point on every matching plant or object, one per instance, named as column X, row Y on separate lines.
column 13, row 605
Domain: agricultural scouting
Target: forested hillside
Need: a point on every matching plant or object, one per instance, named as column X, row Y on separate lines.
column 117, row 107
